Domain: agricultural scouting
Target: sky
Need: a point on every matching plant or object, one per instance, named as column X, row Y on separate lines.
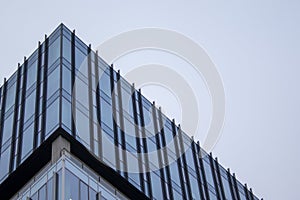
column 254, row 45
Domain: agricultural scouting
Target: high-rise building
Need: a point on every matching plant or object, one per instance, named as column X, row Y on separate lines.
column 72, row 128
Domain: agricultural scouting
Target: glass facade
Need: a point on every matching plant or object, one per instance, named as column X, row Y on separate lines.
column 68, row 178
column 64, row 84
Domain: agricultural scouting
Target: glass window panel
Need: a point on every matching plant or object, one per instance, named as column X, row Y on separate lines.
column 241, row 191
column 29, row 106
column 66, row 80
column 50, row 189
column 177, row 195
column 66, row 113
column 194, row 186
column 168, row 136
column 189, row 158
column 31, row 75
column 212, row 195
column 108, row 149
column 174, row 173
column 54, row 52
column 104, row 81
column 42, row 192
column 208, row 173
column 92, row 194
column 156, row 186
column 7, row 129
column 27, row 141
column 4, row 163
column 10, row 97
column 67, row 49
column 53, row 82
column 52, row 116
column 82, row 126
column 82, row 94
column 81, row 61
column 127, row 101
column 106, row 113
column 130, row 131
column 134, row 178
column 71, row 186
column 226, row 188
column 58, row 184
column 84, row 194
column 242, row 196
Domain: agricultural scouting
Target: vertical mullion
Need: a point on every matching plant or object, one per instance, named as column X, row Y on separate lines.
column 165, row 153
column 73, row 92
column 55, row 186
column 115, row 126
column 90, row 99
column 15, row 119
column 220, row 179
column 148, row 176
column 22, row 109
column 60, row 75
column 137, row 138
column 158, row 146
column 246, row 192
column 44, row 98
column 3, row 99
column 196, row 162
column 37, row 98
column 251, row 194
column 185, row 164
column 236, row 187
column 211, row 160
column 179, row 165
column 232, row 190
column 99, row 130
column 203, row 175
column 122, row 128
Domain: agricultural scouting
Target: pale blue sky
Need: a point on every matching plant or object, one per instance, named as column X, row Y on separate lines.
column 255, row 46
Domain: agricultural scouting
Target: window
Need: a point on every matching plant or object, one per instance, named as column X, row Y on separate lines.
column 7, row 129
column 208, row 172
column 50, row 189
column 66, row 80
column 82, row 126
column 156, row 186
column 54, row 52
column 106, row 113
column 52, row 116
column 4, row 163
column 92, row 194
column 66, row 113
column 84, row 194
column 42, row 192
column 10, row 97
column 71, row 186
column 104, row 81
column 67, row 49
column 29, row 106
column 194, row 186
column 81, row 61
column 53, row 82
column 226, row 187
column 27, row 141
column 31, row 75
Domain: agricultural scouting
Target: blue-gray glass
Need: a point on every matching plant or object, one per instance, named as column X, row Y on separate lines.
column 112, row 120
